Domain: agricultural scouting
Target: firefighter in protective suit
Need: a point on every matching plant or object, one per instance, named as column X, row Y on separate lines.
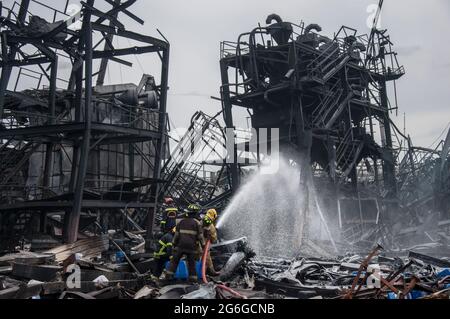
column 163, row 251
column 188, row 235
column 209, row 233
column 169, row 219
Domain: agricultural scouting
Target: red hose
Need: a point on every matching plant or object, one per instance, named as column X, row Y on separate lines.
column 205, row 253
column 205, row 280
column 232, row 291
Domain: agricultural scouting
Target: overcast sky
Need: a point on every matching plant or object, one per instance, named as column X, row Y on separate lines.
column 420, row 30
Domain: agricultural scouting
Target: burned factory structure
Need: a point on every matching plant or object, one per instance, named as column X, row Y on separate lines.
column 91, row 176
column 328, row 96
column 72, row 148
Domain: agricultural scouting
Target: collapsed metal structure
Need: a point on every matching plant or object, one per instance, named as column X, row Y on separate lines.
column 70, row 150
column 324, row 94
column 328, row 96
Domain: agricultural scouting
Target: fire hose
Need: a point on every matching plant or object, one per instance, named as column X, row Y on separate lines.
column 205, row 280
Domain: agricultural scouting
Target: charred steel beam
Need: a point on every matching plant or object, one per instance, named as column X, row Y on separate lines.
column 87, row 203
column 48, row 168
column 6, row 70
column 228, row 118
column 71, row 226
column 118, row 52
column 131, row 35
column 25, row 62
column 429, row 260
column 160, row 144
column 104, row 16
column 108, row 46
column 128, row 13
column 75, row 128
column 388, row 165
column 115, row 10
column 17, row 39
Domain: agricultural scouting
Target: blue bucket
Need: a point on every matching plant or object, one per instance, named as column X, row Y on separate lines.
column 182, row 270
column 120, row 257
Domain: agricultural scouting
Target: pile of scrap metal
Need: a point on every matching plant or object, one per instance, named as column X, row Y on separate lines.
column 114, row 266
column 96, row 267
column 110, row 267
column 417, row 276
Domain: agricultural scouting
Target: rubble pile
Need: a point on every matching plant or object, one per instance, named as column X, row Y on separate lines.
column 114, row 267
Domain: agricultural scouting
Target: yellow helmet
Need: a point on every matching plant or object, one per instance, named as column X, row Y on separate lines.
column 212, row 214
column 193, row 208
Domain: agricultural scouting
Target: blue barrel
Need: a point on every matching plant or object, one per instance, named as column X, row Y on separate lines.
column 182, row 270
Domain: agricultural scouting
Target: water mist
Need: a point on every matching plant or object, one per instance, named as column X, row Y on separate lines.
column 275, row 212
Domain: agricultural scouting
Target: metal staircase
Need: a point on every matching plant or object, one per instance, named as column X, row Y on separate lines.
column 348, row 152
column 326, row 114
column 180, row 172
column 13, row 158
column 332, row 97
column 327, row 64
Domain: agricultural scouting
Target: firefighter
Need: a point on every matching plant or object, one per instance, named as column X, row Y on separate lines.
column 188, row 235
column 210, row 233
column 169, row 219
column 163, row 251
column 169, row 202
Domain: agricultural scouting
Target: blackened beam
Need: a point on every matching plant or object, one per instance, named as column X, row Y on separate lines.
column 57, row 129
column 131, row 35
column 86, row 203
column 127, row 51
column 15, row 39
column 71, row 220
column 129, row 64
column 429, row 260
column 115, row 10
column 108, row 46
column 25, row 62
column 160, row 144
column 73, row 139
column 102, row 15
column 124, row 140
column 128, row 13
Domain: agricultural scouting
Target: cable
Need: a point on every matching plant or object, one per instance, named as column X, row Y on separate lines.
column 443, row 132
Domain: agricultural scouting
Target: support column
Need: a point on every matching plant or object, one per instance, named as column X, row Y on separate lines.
column 71, row 231
column 228, row 118
column 48, row 168
column 161, row 143
column 388, row 164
